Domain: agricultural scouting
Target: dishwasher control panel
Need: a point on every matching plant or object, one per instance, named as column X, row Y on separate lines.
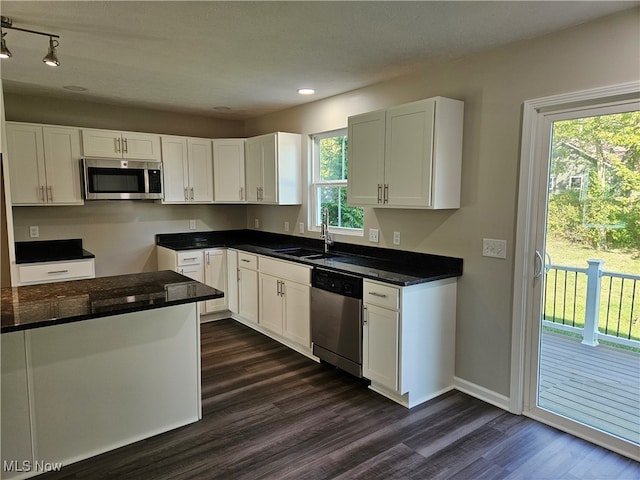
column 336, row 282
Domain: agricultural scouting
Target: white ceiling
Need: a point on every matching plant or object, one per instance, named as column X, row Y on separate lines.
column 253, row 56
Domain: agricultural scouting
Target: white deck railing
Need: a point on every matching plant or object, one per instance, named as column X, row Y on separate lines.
column 611, row 304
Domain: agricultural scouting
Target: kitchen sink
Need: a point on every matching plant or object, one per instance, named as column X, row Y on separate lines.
column 305, row 253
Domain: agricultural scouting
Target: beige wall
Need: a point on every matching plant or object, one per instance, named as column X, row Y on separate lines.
column 58, row 111
column 494, row 86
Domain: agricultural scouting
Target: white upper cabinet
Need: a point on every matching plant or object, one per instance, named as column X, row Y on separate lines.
column 366, row 158
column 44, row 164
column 409, row 156
column 228, row 170
column 273, row 169
column 187, row 168
column 114, row 144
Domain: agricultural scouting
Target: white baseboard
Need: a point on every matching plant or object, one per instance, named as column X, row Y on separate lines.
column 482, row 393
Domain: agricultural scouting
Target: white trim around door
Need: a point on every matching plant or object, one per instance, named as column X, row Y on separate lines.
column 529, row 210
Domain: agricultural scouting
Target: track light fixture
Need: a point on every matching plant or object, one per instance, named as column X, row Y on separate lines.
column 51, row 58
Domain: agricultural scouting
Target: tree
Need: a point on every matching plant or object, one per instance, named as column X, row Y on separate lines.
column 333, row 168
column 608, row 204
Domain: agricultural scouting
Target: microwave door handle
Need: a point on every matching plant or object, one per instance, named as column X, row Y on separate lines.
column 146, row 182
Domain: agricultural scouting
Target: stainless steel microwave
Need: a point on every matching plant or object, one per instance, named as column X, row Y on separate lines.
column 116, row 179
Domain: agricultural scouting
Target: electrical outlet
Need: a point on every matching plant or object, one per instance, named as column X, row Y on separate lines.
column 494, row 248
column 373, row 235
column 396, row 238
column 192, row 224
column 286, row 226
column 301, row 227
column 34, row 231
column 256, row 223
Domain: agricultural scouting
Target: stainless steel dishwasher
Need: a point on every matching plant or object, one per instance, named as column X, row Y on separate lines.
column 336, row 319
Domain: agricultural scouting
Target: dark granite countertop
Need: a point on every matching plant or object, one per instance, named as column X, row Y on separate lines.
column 35, row 306
column 397, row 267
column 51, row 251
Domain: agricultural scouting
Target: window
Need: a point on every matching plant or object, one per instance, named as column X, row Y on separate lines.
column 575, row 181
column 329, row 187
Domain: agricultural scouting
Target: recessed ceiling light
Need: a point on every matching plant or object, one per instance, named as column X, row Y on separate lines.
column 75, row 88
column 306, row 91
column 222, row 109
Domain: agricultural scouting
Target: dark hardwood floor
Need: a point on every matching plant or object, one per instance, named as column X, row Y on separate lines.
column 272, row 413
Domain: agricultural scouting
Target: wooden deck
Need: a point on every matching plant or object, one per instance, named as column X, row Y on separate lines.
column 598, row 386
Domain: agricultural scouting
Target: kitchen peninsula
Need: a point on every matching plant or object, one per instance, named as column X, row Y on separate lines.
column 92, row 365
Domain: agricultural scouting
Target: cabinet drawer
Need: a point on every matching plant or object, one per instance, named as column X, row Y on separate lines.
column 190, row 257
column 382, row 295
column 286, row 270
column 247, row 260
column 55, row 271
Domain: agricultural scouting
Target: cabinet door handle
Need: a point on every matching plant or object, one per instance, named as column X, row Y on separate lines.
column 57, row 272
column 376, row 294
column 126, row 145
column 182, row 271
column 42, row 193
column 191, row 258
column 364, row 316
column 244, row 260
column 50, row 193
column 241, row 193
column 118, row 147
column 379, row 193
column 192, row 193
column 386, row 193
column 186, row 194
column 208, row 258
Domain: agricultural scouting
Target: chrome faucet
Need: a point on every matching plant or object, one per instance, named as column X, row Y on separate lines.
column 324, row 230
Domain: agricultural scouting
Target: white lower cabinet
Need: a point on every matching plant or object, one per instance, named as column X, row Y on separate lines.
column 380, row 345
column 296, row 322
column 285, row 299
column 49, row 272
column 409, row 339
column 271, row 305
column 206, row 266
column 248, row 286
column 215, row 275
column 232, row 280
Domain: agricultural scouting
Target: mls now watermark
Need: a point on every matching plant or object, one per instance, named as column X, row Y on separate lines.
column 18, row 466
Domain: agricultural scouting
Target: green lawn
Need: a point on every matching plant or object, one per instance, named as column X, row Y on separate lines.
column 565, row 295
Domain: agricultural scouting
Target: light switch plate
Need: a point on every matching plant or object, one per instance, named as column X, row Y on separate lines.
column 373, row 235
column 34, row 231
column 286, row 226
column 494, row 248
column 256, row 223
column 192, row 224
column 396, row 238
column 301, row 227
